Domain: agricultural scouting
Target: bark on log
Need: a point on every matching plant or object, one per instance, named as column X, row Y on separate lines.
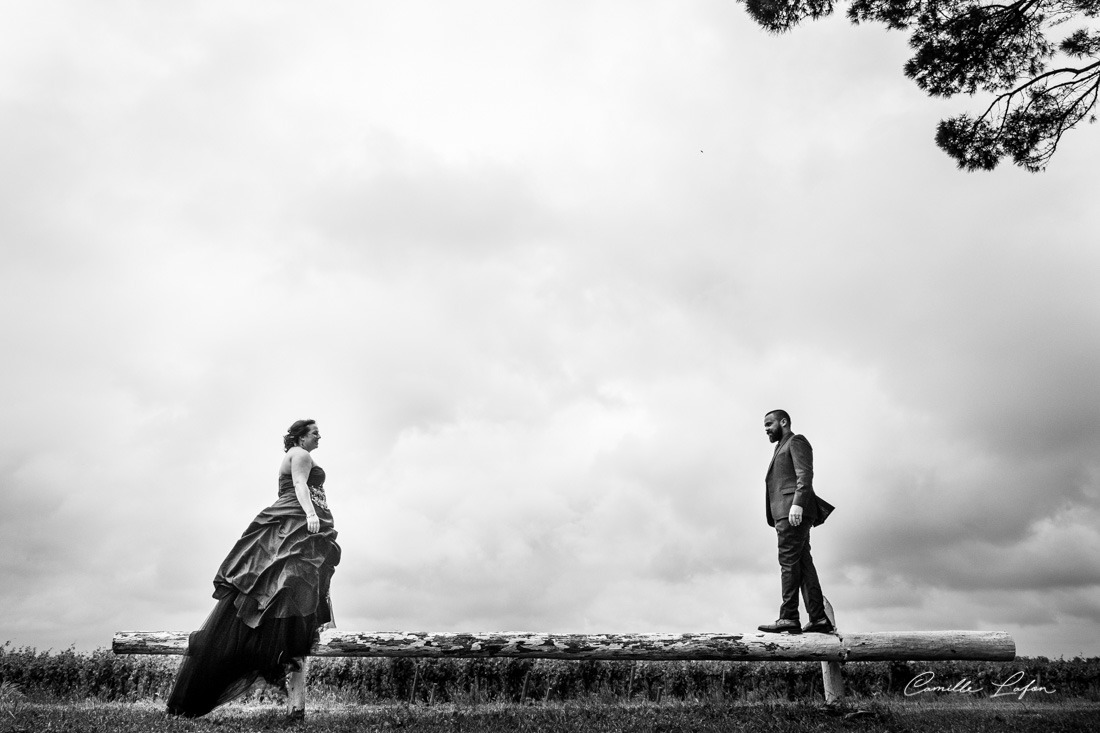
column 150, row 642
column 929, row 646
column 656, row 647
column 748, row 647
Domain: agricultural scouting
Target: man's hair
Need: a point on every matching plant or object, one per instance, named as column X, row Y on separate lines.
column 779, row 414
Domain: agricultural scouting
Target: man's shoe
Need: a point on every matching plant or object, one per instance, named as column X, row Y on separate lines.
column 782, row 626
column 823, row 626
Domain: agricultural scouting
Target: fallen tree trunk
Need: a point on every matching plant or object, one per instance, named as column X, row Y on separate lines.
column 749, row 647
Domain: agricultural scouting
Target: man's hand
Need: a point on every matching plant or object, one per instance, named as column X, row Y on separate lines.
column 795, row 517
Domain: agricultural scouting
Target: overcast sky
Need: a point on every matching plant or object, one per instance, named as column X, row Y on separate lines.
column 537, row 269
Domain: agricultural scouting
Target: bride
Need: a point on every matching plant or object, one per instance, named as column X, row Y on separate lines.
column 272, row 591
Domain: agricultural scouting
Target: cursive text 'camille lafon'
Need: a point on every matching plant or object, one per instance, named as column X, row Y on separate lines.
column 922, row 683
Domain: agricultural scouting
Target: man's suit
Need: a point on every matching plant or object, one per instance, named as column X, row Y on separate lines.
column 789, row 481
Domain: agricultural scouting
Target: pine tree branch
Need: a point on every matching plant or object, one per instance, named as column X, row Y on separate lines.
column 1035, row 80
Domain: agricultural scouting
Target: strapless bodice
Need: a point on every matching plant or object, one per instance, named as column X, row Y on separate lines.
column 316, row 480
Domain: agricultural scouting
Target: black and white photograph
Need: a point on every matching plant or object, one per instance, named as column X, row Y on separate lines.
column 427, row 335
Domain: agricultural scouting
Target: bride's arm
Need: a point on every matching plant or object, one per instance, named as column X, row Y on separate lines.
column 300, row 464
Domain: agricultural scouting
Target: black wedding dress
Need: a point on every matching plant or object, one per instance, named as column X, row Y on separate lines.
column 272, row 596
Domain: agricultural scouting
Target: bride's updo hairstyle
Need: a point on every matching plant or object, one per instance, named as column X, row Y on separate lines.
column 295, row 432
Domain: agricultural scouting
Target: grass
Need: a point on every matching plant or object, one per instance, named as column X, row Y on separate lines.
column 935, row 716
column 103, row 693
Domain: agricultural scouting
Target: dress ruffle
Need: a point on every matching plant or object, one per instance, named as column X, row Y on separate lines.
column 278, row 569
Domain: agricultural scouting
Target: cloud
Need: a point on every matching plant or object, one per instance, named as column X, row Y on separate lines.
column 538, row 327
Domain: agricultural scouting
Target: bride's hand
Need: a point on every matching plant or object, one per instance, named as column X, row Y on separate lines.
column 313, row 524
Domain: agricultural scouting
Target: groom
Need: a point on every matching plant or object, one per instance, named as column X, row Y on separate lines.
column 792, row 508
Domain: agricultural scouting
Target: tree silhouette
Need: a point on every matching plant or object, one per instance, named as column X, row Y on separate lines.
column 1041, row 87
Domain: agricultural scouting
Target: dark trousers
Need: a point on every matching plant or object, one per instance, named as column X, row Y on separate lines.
column 798, row 573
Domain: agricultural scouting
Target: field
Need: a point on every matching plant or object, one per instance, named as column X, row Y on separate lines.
column 568, row 717
column 99, row 692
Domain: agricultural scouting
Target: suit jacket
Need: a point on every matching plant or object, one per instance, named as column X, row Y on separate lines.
column 790, row 480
